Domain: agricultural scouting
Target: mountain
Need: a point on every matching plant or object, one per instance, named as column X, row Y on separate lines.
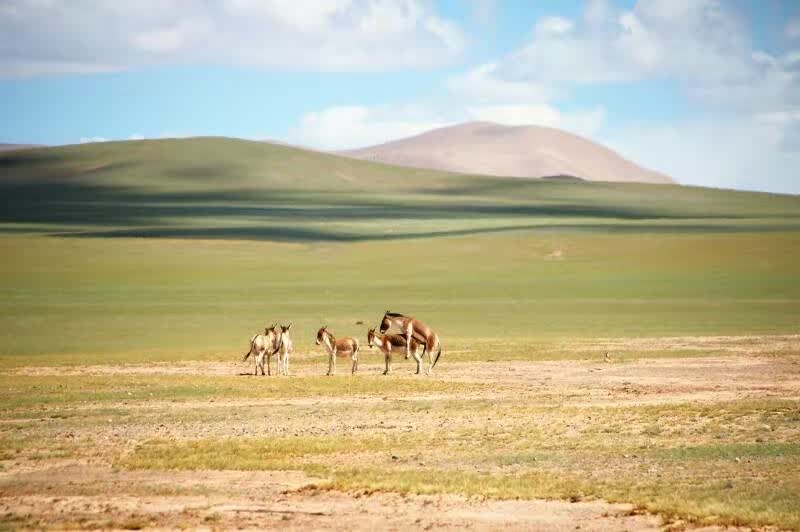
column 514, row 151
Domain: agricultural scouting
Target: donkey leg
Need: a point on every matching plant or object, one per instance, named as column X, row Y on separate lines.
column 409, row 332
column 430, row 361
column 332, row 362
column 418, row 359
column 387, row 358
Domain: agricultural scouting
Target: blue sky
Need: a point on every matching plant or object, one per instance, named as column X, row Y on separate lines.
column 707, row 91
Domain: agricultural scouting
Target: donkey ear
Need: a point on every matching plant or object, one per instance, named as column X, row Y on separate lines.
column 289, row 326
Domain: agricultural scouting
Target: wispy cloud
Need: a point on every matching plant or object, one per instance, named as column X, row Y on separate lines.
column 89, row 36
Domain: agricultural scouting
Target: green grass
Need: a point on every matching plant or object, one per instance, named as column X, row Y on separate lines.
column 26, row 391
column 112, row 300
column 246, row 454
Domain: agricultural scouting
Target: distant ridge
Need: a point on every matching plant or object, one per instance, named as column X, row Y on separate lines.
column 515, row 151
column 9, row 147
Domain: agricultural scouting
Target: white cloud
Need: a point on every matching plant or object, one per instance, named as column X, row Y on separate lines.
column 720, row 152
column 483, row 85
column 701, row 44
column 87, row 140
column 339, row 128
column 87, row 36
column 546, row 26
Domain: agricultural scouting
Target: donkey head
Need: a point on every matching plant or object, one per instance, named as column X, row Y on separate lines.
column 371, row 336
column 321, row 334
column 386, row 322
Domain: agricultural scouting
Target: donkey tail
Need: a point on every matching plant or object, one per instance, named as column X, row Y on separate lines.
column 438, row 353
column 247, row 355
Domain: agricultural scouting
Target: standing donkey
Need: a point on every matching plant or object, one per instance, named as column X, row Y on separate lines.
column 263, row 344
column 393, row 343
column 347, row 346
column 286, row 348
column 413, row 328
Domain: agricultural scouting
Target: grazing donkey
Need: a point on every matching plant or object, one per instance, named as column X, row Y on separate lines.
column 347, row 346
column 393, row 343
column 413, row 328
column 263, row 344
column 286, row 348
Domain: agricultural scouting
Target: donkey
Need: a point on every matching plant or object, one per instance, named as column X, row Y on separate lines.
column 347, row 346
column 263, row 344
column 413, row 328
column 393, row 343
column 286, row 348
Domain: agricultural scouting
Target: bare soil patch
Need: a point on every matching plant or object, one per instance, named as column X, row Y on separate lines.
column 100, row 498
column 92, row 493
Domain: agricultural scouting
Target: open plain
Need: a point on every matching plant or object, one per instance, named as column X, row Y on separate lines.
column 616, row 356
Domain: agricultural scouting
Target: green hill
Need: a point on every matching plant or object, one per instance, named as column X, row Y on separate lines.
column 242, row 233
column 226, row 188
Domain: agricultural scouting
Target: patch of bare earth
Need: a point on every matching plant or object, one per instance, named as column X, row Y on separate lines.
column 101, row 498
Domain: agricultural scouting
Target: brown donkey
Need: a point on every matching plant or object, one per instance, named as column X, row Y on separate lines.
column 347, row 346
column 393, row 343
column 413, row 328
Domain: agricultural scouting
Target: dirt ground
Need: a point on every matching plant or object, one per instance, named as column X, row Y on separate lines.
column 65, row 493
column 285, row 500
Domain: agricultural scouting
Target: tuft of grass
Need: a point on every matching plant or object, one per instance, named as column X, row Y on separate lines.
column 245, row 453
column 21, row 391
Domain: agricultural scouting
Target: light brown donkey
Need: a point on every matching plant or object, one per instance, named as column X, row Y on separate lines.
column 413, row 328
column 261, row 345
column 347, row 346
column 286, row 347
column 393, row 343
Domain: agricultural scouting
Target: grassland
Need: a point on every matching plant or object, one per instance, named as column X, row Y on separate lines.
column 133, row 274
column 709, row 440
column 150, row 299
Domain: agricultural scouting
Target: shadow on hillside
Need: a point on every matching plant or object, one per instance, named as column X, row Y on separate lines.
column 307, row 235
column 281, row 215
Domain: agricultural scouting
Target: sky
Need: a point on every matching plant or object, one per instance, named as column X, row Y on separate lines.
column 706, row 91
